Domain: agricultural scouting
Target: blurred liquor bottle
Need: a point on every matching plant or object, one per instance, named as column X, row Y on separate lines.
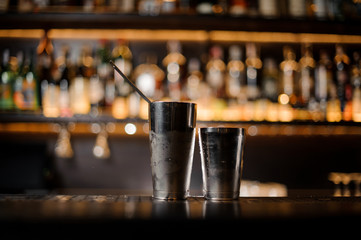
column 122, row 6
column 149, row 79
column 79, row 89
column 288, row 77
column 253, row 67
column 270, row 75
column 270, row 88
column 66, row 74
column 149, row 7
column 47, row 72
column 125, row 98
column 235, row 77
column 194, row 82
column 174, row 63
column 18, row 81
column 216, row 71
column 238, row 7
column 344, row 90
column 106, row 72
column 205, row 6
column 356, row 84
column 297, row 8
column 320, row 9
column 269, row 8
column 25, row 85
column 45, row 62
column 325, row 89
column 4, row 5
column 306, row 78
column 7, row 78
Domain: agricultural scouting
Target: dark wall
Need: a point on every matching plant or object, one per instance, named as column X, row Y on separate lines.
column 28, row 162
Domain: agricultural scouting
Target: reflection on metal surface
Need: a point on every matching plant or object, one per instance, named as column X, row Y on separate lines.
column 220, row 210
column 170, row 209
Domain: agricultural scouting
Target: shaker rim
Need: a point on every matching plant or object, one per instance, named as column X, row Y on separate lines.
column 173, row 102
column 235, row 130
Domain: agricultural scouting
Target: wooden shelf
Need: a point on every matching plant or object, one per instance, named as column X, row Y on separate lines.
column 55, row 20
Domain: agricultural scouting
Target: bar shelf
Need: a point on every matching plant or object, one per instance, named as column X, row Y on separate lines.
column 81, row 124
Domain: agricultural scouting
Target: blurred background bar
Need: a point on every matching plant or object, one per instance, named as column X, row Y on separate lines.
column 288, row 71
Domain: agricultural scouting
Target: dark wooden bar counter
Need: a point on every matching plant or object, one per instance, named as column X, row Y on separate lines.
column 140, row 215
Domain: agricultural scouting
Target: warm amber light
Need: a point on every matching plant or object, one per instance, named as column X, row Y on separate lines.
column 22, row 33
column 248, row 111
column 334, row 111
column 278, row 37
column 283, row 99
column 143, row 109
column 204, row 114
column 120, row 108
column 241, row 36
column 129, row 34
column 285, row 113
column 272, row 112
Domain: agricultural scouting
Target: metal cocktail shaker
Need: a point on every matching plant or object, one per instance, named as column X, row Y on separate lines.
column 172, row 139
column 222, row 160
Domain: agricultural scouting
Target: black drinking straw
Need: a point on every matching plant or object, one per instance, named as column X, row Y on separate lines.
column 130, row 82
